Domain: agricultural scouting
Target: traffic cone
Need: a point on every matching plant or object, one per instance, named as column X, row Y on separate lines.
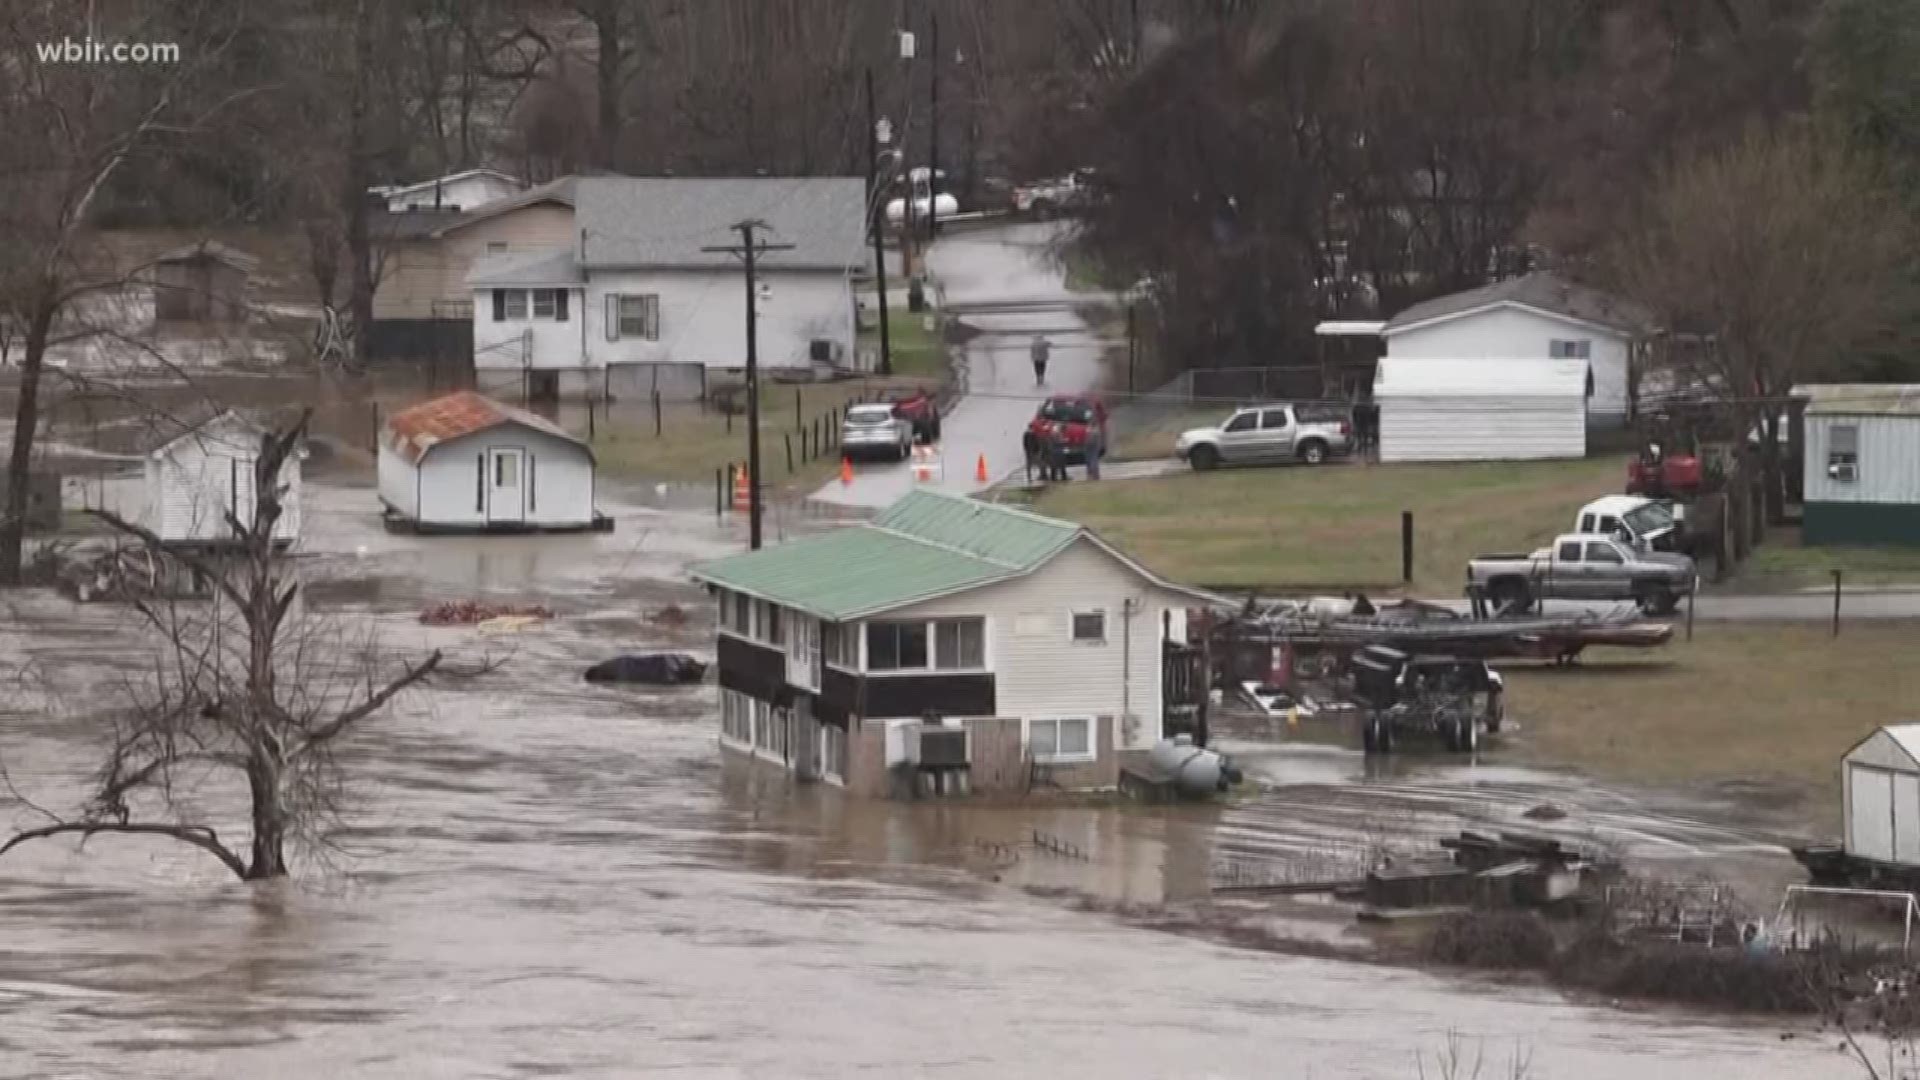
column 846, row 471
column 742, row 493
column 980, row 469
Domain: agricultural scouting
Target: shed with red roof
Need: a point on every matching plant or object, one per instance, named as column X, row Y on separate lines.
column 467, row 463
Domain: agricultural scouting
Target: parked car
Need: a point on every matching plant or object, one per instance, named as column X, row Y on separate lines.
column 1070, row 417
column 1645, row 523
column 1584, row 566
column 873, row 430
column 919, row 409
column 1269, row 433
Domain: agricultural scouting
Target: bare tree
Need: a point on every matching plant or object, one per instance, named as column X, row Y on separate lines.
column 1788, row 253
column 245, row 690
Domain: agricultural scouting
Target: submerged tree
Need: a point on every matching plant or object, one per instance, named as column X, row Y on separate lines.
column 245, row 689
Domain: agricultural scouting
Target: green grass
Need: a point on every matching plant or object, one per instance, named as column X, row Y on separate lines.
column 917, row 351
column 1783, row 562
column 1155, row 440
column 1337, row 525
column 693, row 443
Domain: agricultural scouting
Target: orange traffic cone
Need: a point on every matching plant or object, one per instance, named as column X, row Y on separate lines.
column 742, row 493
column 980, row 469
column 846, row 472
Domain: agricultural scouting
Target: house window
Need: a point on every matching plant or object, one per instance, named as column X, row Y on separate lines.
column 1581, row 349
column 634, row 317
column 770, row 624
column 736, row 717
column 839, row 646
column 896, row 646
column 741, row 620
column 960, row 644
column 517, row 304
column 1843, row 452
column 1090, row 626
column 1060, row 739
column 833, row 752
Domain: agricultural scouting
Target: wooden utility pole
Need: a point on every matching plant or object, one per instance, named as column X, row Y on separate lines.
column 749, row 250
column 876, row 218
column 933, row 139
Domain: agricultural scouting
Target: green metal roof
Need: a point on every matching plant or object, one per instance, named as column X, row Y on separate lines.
column 926, row 545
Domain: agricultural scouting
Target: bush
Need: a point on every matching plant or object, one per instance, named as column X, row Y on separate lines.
column 1499, row 940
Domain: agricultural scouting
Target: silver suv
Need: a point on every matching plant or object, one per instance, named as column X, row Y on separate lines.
column 1270, row 433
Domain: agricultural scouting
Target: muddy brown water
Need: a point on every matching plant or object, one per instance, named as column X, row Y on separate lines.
column 545, row 878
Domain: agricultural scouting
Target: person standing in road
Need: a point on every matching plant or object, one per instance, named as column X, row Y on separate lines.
column 1094, row 448
column 1042, row 351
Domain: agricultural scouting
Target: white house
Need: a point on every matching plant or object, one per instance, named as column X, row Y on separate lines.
column 1862, row 464
column 985, row 645
column 1435, row 409
column 453, row 193
column 1535, row 317
column 465, row 463
column 640, row 285
column 200, row 472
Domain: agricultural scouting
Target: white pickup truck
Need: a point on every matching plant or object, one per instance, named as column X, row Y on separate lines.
column 1583, row 566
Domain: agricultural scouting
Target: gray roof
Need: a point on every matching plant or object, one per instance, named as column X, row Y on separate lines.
column 1542, row 290
column 664, row 222
column 1861, row 399
column 534, row 268
column 210, row 249
column 424, row 224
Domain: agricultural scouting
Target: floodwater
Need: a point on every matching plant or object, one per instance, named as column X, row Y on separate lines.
column 545, row 878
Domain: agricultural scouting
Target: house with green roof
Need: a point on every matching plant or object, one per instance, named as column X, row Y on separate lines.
column 951, row 645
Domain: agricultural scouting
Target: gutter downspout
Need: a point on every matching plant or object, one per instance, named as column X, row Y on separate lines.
column 1127, row 609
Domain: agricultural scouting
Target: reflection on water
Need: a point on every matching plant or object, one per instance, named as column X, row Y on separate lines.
column 551, row 878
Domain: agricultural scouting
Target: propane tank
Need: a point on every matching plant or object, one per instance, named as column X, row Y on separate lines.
column 1195, row 771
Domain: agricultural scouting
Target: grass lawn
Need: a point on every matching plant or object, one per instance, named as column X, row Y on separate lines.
column 693, row 443
column 1783, row 563
column 917, row 351
column 1141, row 442
column 1774, row 703
column 1337, row 525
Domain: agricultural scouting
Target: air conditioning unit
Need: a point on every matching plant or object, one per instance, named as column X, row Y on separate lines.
column 1844, row 471
column 943, row 747
column 823, row 350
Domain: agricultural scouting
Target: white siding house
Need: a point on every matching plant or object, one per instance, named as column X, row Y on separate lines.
column 641, row 288
column 194, row 480
column 1481, row 410
column 464, row 463
column 1536, row 317
column 457, row 192
column 1861, row 479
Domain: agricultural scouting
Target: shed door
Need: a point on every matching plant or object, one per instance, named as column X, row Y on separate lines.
column 1906, row 817
column 506, row 483
column 1870, row 812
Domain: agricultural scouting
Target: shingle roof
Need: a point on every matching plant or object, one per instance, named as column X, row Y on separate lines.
column 413, row 431
column 927, row 545
column 1541, row 289
column 423, row 224
column 1861, row 399
column 211, row 249
column 527, row 268
column 665, row 222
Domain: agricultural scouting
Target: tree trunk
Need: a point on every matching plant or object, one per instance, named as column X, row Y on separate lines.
column 606, row 28
column 13, row 517
column 1770, row 468
column 269, row 823
column 358, row 176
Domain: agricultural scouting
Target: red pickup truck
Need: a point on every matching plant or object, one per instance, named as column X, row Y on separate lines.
column 1069, row 417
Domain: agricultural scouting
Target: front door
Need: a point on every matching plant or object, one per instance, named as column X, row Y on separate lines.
column 506, row 484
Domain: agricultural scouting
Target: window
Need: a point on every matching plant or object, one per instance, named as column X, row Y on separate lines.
column 1569, row 552
column 1243, row 422
column 1604, row 553
column 516, row 300
column 742, row 623
column 1273, row 419
column 840, row 645
column 770, row 624
column 1571, row 350
column 506, row 471
column 1060, row 739
column 896, row 646
column 496, row 247
column 1843, row 452
column 633, row 317
column 736, row 717
column 833, row 752
column 547, row 304
column 1607, row 525
column 960, row 643
column 1089, row 626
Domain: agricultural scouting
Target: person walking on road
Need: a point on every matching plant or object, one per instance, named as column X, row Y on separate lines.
column 1094, row 448
column 1030, row 448
column 1042, row 350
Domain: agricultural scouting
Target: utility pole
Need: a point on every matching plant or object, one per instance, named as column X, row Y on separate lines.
column 933, row 141
column 876, row 224
column 749, row 250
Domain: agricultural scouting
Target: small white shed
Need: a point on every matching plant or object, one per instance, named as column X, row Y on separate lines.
column 1880, row 789
column 1481, row 410
column 467, row 463
column 194, row 479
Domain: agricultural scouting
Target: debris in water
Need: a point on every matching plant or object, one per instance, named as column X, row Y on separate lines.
column 473, row 612
column 1545, row 812
column 663, row 669
column 671, row 615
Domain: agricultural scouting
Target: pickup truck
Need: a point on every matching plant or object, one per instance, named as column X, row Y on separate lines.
column 1583, row 566
column 1273, row 432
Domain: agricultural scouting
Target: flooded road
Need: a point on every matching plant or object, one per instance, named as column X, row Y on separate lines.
column 547, row 878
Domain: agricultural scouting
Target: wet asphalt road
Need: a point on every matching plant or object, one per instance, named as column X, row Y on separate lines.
column 1003, row 283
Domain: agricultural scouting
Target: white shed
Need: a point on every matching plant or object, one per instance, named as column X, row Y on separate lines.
column 1880, row 788
column 195, row 478
column 1481, row 409
column 467, row 463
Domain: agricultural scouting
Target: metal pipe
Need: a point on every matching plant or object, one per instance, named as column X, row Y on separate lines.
column 1127, row 609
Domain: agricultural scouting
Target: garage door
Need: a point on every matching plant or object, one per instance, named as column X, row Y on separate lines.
column 1870, row 812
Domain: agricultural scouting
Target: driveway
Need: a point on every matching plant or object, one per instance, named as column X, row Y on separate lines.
column 1001, row 283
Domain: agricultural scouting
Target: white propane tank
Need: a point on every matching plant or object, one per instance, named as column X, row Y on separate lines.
column 1193, row 769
